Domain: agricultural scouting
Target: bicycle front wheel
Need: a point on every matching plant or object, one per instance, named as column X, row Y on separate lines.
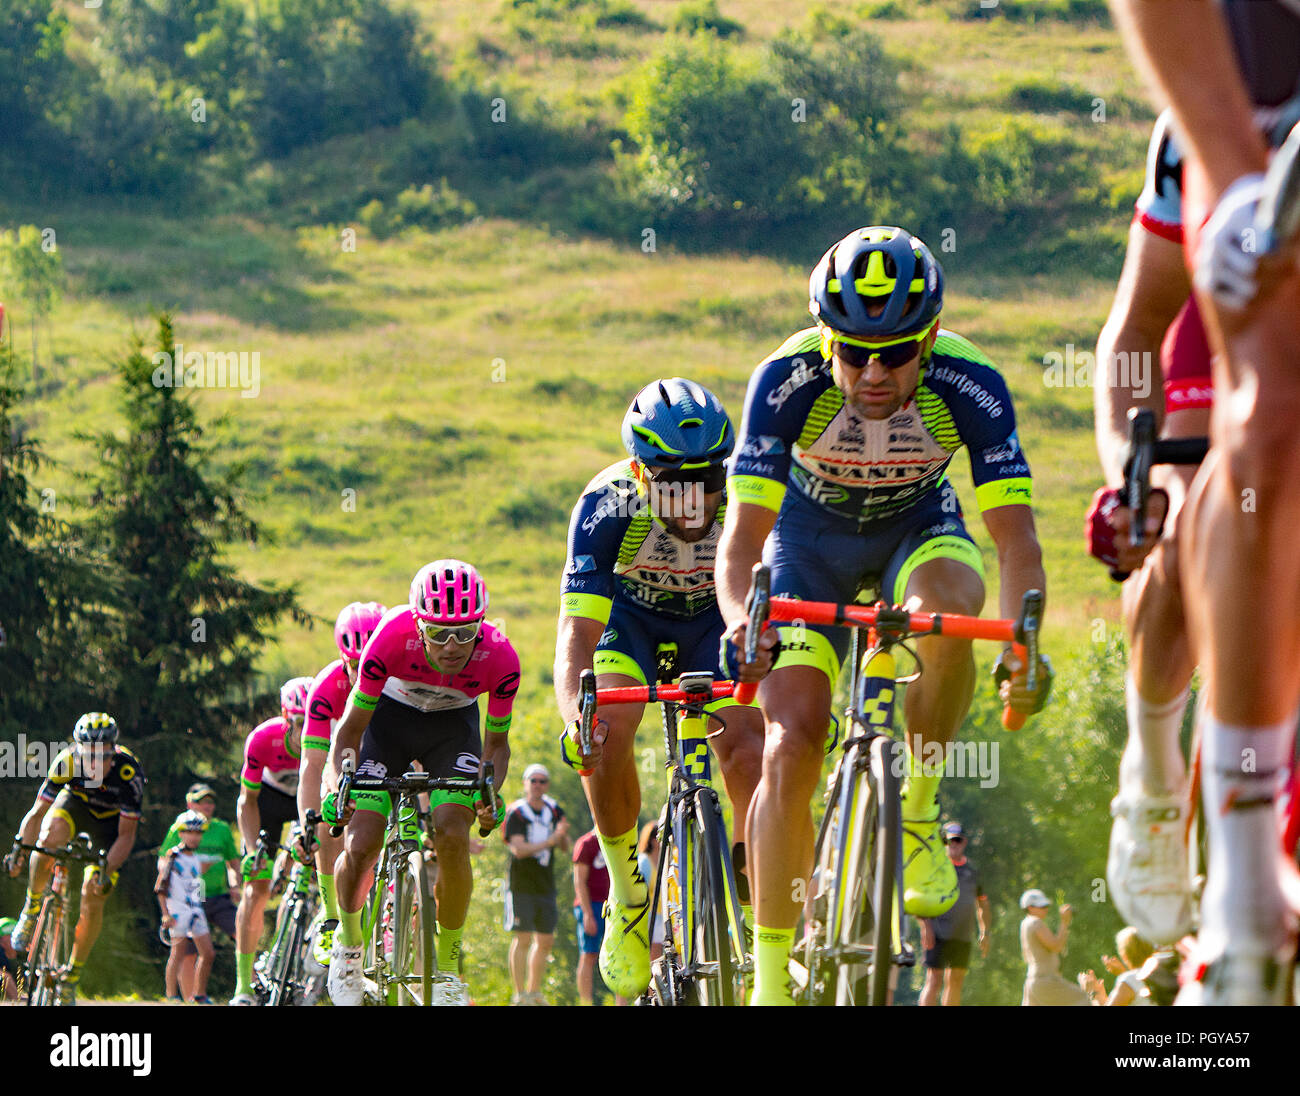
column 287, row 955
column 865, row 896
column 714, row 969
column 419, row 956
column 42, row 952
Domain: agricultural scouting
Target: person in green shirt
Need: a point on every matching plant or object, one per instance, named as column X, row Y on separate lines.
column 219, row 856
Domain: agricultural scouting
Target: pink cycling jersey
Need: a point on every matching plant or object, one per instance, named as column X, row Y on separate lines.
column 394, row 665
column 267, row 760
column 326, row 699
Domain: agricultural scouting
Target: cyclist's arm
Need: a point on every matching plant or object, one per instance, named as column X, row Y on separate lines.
column 984, row 914
column 1050, row 940
column 576, row 639
column 1152, row 288
column 309, row 777
column 743, row 533
column 347, row 736
column 248, row 816
column 1184, row 47
column 1122, row 994
column 496, row 749
column 1020, row 558
column 122, row 845
column 30, row 829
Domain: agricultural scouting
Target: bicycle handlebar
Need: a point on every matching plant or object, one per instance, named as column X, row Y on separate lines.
column 1144, row 451
column 649, row 694
column 73, row 850
column 347, row 774
column 412, row 783
column 757, row 613
column 586, row 714
column 1022, row 634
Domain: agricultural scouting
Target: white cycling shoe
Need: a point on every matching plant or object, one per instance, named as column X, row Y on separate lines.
column 1146, row 869
column 449, row 990
column 346, row 979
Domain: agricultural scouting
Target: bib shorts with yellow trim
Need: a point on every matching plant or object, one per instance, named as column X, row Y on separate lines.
column 81, row 819
column 815, row 555
column 632, row 637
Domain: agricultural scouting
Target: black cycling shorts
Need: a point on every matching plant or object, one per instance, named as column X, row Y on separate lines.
column 446, row 743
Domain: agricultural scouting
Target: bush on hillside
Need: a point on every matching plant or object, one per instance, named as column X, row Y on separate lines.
column 703, row 16
column 425, row 208
column 712, row 139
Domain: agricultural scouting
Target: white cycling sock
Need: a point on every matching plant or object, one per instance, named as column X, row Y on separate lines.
column 1153, row 756
column 1242, row 772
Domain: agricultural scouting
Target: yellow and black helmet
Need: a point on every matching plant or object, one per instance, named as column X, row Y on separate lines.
column 876, row 265
column 95, row 727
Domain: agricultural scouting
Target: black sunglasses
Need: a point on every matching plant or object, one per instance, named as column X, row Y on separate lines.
column 714, row 477
column 894, row 356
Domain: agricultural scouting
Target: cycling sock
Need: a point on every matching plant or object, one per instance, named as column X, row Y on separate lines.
column 349, row 930
column 244, row 975
column 771, row 963
column 327, row 896
column 1242, row 771
column 625, row 881
column 33, row 906
column 1153, row 756
column 923, row 777
column 449, row 949
column 747, row 912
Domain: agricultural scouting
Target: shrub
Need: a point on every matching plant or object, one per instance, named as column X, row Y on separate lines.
column 423, row 208
column 698, row 16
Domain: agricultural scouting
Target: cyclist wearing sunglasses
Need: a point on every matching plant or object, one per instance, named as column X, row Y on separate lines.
column 642, row 545
column 326, row 700
column 841, row 482
column 94, row 787
column 267, row 801
column 416, row 699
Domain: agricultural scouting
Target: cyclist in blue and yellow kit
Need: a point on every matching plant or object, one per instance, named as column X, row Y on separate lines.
column 839, row 483
column 643, row 541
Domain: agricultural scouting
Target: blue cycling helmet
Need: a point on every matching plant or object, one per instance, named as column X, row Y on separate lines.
column 676, row 423
column 876, row 264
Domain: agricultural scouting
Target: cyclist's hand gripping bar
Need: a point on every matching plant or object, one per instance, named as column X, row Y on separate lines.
column 757, row 609
column 1031, row 619
column 489, row 792
column 586, row 714
column 349, row 768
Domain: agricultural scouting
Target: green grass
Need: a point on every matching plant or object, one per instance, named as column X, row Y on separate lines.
column 466, row 383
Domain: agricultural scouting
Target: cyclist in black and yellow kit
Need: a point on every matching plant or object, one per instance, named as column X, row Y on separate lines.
column 95, row 787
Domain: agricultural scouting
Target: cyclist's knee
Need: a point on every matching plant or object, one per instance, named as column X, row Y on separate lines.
column 1259, row 446
column 792, row 756
column 452, row 842
column 946, row 586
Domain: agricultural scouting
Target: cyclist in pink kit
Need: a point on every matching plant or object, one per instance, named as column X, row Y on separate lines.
column 326, row 700
column 267, row 801
column 416, row 700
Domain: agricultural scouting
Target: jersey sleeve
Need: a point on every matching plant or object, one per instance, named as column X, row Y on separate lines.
column 777, row 402
column 595, row 531
column 131, row 773
column 251, row 774
column 373, row 674
column 1159, row 208
column 320, row 712
column 584, row 852
column 501, row 697
column 515, row 824
column 61, row 770
column 979, row 402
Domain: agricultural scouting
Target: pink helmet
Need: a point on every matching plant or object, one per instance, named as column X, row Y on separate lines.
column 448, row 591
column 293, row 695
column 355, row 625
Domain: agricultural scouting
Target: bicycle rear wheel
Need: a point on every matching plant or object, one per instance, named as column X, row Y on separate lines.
column 287, row 954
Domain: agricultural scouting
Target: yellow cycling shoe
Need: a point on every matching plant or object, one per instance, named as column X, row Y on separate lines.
column 929, row 879
column 625, row 951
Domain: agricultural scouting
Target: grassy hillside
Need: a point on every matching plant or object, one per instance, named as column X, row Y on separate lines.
column 465, row 383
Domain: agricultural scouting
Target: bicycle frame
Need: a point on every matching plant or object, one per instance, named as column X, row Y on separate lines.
column 692, row 796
